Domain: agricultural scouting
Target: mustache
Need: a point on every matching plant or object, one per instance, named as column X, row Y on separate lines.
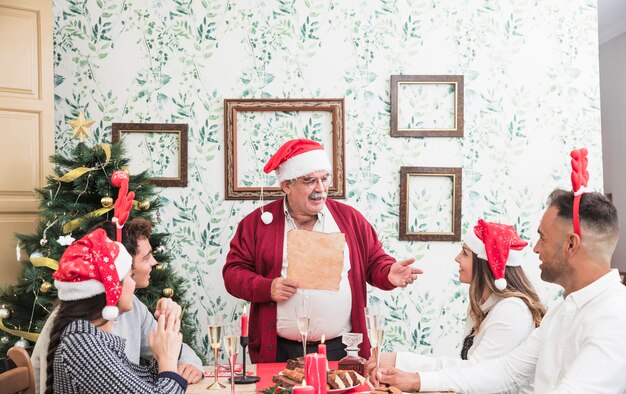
column 318, row 195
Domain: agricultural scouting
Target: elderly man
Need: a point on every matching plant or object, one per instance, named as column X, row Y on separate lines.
column 580, row 346
column 135, row 325
column 256, row 265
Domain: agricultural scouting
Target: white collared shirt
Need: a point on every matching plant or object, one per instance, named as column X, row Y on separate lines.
column 508, row 324
column 324, row 303
column 580, row 347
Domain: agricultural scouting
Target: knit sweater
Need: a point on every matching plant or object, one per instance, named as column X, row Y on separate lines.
column 89, row 360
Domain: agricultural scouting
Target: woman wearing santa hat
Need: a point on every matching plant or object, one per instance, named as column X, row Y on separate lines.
column 94, row 285
column 504, row 307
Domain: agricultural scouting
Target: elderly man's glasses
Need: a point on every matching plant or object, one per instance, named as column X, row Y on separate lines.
column 311, row 182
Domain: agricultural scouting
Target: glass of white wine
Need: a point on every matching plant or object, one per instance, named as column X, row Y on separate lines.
column 375, row 325
column 231, row 341
column 216, row 327
column 303, row 319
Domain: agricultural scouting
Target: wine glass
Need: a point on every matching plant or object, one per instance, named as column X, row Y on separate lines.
column 215, row 339
column 231, row 341
column 375, row 330
column 303, row 316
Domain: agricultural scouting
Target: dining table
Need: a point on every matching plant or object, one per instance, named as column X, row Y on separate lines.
column 265, row 371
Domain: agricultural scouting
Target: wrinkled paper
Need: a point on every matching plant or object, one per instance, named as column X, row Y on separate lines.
column 315, row 259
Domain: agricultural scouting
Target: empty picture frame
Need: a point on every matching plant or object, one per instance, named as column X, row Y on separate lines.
column 427, row 105
column 160, row 148
column 256, row 128
column 430, row 204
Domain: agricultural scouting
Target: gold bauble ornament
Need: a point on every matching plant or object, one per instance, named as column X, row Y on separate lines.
column 45, row 287
column 106, row 201
column 159, row 266
column 145, row 205
column 5, row 313
column 168, row 292
column 22, row 343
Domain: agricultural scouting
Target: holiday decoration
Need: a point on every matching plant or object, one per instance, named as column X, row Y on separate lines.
column 22, row 343
column 580, row 178
column 45, row 287
column 5, row 313
column 71, row 206
column 106, row 201
column 65, row 240
column 18, row 251
column 81, row 126
column 168, row 292
column 159, row 266
column 145, row 205
column 4, row 340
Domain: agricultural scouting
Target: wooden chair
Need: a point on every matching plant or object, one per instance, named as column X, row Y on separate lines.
column 21, row 379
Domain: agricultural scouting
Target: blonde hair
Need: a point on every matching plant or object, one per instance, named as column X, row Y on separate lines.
column 518, row 286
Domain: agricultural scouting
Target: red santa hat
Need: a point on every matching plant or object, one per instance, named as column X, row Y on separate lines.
column 93, row 265
column 297, row 158
column 499, row 244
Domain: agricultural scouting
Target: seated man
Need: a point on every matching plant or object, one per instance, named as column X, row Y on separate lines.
column 580, row 346
column 135, row 325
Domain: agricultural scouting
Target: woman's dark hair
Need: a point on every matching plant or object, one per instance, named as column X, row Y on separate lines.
column 517, row 285
column 89, row 309
column 132, row 232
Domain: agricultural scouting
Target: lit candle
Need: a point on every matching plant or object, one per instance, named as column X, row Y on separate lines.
column 304, row 389
column 244, row 323
column 315, row 371
column 321, row 348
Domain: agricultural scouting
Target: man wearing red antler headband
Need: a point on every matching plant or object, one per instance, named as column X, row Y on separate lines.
column 580, row 346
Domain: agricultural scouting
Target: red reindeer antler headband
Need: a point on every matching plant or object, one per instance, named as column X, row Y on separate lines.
column 124, row 202
column 580, row 177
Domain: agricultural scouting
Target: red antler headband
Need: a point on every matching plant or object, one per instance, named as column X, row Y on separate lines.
column 580, row 177
column 124, row 201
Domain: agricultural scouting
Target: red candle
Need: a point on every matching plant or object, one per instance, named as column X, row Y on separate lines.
column 244, row 323
column 304, row 389
column 321, row 348
column 315, row 372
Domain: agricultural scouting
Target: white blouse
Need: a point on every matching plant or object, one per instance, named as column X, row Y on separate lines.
column 507, row 325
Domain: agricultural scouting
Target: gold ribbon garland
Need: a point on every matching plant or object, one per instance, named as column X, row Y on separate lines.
column 31, row 336
column 80, row 171
column 76, row 223
column 44, row 262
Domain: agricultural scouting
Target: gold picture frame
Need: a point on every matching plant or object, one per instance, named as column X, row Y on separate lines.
column 430, row 203
column 255, row 128
column 427, row 105
column 160, row 148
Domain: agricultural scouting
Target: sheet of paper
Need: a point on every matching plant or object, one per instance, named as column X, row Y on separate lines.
column 315, row 259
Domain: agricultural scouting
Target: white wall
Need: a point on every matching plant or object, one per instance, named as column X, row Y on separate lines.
column 613, row 102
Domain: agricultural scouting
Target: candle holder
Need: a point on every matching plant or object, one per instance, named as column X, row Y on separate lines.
column 244, row 378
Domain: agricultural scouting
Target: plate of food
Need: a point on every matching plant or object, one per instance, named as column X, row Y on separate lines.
column 337, row 381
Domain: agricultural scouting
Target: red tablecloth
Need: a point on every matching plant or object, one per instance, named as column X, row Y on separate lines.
column 266, row 370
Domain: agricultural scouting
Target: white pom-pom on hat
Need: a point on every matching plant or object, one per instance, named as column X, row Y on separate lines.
column 500, row 283
column 267, row 217
column 110, row 312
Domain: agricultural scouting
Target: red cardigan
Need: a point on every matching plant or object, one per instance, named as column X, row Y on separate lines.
column 255, row 259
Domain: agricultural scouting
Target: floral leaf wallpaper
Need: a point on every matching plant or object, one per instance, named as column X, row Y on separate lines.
column 531, row 95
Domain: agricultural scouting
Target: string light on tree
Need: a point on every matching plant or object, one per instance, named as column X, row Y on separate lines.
column 4, row 340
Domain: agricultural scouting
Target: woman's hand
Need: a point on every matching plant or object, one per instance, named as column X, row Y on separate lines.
column 405, row 381
column 386, row 360
column 166, row 341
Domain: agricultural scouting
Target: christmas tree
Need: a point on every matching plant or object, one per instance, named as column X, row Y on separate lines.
column 77, row 197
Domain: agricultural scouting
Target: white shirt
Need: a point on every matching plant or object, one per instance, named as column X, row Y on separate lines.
column 580, row 347
column 508, row 324
column 324, row 303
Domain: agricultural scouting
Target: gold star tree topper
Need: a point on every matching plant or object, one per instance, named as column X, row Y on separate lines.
column 81, row 126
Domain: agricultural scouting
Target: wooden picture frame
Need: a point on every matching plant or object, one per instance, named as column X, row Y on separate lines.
column 160, row 148
column 430, row 203
column 254, row 130
column 427, row 105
